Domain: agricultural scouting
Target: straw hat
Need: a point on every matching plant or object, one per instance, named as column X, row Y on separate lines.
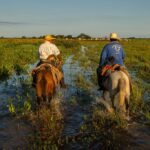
column 114, row 35
column 49, row 37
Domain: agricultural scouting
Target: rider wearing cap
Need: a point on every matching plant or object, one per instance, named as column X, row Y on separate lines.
column 112, row 53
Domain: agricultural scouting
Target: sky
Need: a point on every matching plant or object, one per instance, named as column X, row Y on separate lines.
column 97, row 18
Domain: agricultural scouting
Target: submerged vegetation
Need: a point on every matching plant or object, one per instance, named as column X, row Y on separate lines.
column 99, row 129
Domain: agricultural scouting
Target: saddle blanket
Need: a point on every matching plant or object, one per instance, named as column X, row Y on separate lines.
column 107, row 69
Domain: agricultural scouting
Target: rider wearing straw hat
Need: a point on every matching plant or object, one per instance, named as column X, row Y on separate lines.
column 48, row 50
column 112, row 53
column 112, row 49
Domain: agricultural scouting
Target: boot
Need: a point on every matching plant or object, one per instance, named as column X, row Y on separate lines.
column 99, row 79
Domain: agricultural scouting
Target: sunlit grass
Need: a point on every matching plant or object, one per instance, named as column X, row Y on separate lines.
column 48, row 123
column 17, row 54
column 100, row 127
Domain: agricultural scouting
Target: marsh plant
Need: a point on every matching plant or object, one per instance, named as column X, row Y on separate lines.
column 82, row 83
column 20, row 106
column 102, row 130
column 4, row 72
column 17, row 54
column 48, row 124
column 73, row 101
column 99, row 130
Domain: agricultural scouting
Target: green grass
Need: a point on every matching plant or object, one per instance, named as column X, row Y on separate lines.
column 17, row 54
column 137, row 55
column 48, row 128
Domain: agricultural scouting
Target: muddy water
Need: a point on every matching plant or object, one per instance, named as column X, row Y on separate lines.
column 76, row 111
column 138, row 133
column 13, row 131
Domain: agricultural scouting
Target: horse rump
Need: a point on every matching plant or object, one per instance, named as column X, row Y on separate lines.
column 45, row 86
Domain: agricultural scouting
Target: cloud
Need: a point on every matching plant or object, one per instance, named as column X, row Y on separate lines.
column 11, row 23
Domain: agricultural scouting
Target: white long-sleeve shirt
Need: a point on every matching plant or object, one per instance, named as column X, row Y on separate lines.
column 46, row 49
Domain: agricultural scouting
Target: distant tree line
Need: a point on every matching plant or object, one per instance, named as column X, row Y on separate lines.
column 80, row 36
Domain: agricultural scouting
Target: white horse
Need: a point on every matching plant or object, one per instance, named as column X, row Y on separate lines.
column 116, row 95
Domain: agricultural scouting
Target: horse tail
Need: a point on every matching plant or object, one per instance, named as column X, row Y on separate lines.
column 121, row 90
column 43, row 85
column 48, row 86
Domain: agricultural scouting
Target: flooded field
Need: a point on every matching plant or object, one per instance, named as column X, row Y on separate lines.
column 77, row 103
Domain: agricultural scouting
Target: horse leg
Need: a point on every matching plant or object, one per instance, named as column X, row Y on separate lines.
column 106, row 101
column 45, row 97
column 127, row 100
column 39, row 100
column 115, row 101
column 106, row 97
column 118, row 107
column 51, row 95
column 121, row 95
column 39, row 94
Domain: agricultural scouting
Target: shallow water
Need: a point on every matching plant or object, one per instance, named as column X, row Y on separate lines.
column 74, row 112
column 9, row 89
column 13, row 132
column 14, row 87
column 76, row 103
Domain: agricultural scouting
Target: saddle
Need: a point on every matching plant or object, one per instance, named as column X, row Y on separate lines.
column 106, row 70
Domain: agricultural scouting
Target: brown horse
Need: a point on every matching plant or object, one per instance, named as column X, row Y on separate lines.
column 46, row 76
column 45, row 85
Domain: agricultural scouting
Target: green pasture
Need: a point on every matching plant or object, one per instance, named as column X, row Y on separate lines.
column 17, row 54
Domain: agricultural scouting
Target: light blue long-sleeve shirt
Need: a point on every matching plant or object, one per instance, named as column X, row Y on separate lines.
column 115, row 50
